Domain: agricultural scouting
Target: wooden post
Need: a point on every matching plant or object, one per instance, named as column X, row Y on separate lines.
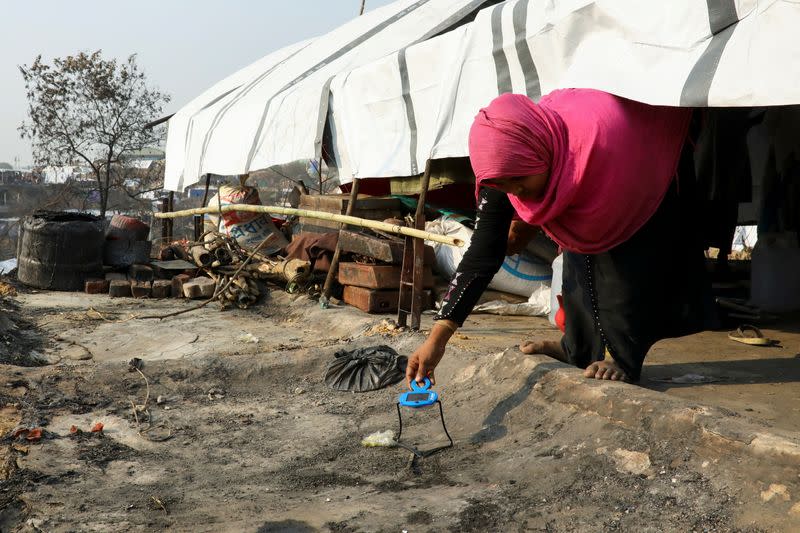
column 198, row 226
column 419, row 252
column 413, row 264
column 205, row 193
column 334, row 268
column 166, row 224
column 171, row 226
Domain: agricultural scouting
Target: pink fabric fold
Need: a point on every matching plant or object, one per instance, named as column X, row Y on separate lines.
column 610, row 160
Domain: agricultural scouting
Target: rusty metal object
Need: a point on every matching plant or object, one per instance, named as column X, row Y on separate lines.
column 60, row 251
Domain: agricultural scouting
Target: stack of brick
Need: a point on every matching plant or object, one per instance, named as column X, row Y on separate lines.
column 375, row 288
column 142, row 281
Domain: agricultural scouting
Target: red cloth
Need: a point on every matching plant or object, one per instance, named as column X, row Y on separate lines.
column 610, row 160
column 317, row 248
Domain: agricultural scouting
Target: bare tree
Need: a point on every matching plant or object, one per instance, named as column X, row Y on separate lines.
column 90, row 109
column 361, row 11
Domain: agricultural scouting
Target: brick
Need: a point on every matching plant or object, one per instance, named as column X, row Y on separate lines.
column 119, row 288
column 162, row 288
column 177, row 285
column 140, row 289
column 140, row 273
column 377, row 301
column 377, row 276
column 96, row 286
column 111, row 276
column 199, row 288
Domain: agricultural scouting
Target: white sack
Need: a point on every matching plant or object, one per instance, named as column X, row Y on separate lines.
column 521, row 274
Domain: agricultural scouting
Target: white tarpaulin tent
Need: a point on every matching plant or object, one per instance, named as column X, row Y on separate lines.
column 396, row 92
column 390, row 116
column 274, row 112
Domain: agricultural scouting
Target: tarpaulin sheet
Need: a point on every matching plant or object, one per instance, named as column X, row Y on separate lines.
column 397, row 92
column 274, row 112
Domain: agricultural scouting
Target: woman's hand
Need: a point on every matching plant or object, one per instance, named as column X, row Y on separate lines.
column 519, row 235
column 423, row 361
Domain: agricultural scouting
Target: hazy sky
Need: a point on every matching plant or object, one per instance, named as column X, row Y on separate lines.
column 184, row 46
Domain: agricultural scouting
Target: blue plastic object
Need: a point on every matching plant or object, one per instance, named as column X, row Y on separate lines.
column 419, row 395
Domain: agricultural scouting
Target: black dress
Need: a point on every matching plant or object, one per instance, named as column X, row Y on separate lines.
column 651, row 287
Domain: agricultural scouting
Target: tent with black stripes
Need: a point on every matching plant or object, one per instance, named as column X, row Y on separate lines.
column 274, row 111
column 392, row 115
column 390, row 90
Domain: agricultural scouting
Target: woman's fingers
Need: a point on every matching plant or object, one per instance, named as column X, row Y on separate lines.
column 425, row 371
column 411, row 370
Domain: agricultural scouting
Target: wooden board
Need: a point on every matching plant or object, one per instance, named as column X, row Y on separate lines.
column 337, row 203
column 387, row 250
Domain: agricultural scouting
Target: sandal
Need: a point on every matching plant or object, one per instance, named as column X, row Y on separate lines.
column 747, row 334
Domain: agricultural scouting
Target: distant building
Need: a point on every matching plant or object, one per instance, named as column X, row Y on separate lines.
column 142, row 159
column 55, row 175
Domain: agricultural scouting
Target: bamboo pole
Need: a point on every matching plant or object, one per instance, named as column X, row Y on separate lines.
column 344, row 219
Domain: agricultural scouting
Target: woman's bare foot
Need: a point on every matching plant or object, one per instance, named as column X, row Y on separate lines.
column 550, row 348
column 605, row 370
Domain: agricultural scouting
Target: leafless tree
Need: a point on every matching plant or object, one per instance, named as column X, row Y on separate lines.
column 87, row 108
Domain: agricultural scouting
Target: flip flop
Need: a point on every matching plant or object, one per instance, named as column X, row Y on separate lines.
column 747, row 334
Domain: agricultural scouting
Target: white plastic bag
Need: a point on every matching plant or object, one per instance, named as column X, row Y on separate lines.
column 537, row 305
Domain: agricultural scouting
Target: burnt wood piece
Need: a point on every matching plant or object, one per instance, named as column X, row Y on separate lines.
column 386, row 250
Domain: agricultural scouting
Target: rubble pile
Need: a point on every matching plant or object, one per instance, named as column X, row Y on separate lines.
column 216, row 266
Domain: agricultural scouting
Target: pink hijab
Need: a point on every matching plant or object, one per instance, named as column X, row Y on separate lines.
column 611, row 161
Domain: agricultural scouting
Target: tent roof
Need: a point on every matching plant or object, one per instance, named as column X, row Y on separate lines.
column 274, row 111
column 401, row 91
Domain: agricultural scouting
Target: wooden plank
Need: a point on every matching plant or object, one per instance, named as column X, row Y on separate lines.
column 332, row 270
column 381, row 249
column 337, row 203
column 369, row 214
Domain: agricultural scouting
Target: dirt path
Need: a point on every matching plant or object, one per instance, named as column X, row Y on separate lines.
column 248, row 438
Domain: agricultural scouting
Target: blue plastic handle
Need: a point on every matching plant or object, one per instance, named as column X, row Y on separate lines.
column 430, row 396
column 416, row 387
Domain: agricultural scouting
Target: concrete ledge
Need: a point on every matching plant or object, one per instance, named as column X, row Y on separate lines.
column 666, row 416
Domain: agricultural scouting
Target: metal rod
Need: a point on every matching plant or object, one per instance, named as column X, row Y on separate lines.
column 415, row 450
column 332, row 270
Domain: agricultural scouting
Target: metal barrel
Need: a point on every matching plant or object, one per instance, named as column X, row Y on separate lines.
column 60, row 250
